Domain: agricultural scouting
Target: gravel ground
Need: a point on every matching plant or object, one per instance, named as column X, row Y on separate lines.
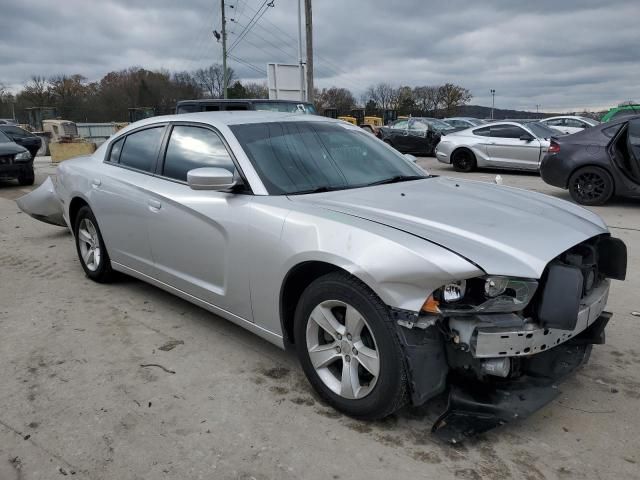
column 76, row 401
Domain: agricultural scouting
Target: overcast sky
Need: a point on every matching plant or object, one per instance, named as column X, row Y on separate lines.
column 560, row 54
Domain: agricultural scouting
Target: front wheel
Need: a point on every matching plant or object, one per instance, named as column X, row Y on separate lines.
column 90, row 246
column 591, row 186
column 348, row 347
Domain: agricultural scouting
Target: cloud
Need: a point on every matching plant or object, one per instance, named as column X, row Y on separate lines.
column 562, row 55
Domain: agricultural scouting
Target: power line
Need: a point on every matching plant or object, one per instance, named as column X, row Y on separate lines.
column 265, row 40
column 249, row 25
column 248, row 64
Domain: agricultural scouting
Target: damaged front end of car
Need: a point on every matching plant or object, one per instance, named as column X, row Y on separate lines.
column 501, row 345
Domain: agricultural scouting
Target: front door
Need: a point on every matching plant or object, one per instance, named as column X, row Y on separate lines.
column 398, row 135
column 506, row 149
column 199, row 237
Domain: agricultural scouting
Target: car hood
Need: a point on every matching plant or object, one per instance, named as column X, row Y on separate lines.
column 503, row 230
column 10, row 148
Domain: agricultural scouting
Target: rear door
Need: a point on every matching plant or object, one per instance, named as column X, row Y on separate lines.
column 120, row 190
column 506, row 149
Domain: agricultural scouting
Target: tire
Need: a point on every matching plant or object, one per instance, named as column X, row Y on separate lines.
column 366, row 395
column 90, row 247
column 464, row 161
column 26, row 177
column 591, row 186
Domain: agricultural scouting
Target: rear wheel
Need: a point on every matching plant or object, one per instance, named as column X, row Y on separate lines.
column 348, row 348
column 90, row 246
column 26, row 177
column 464, row 161
column 591, row 186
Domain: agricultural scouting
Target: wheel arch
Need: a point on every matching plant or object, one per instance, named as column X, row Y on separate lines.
column 463, row 148
column 606, row 168
column 75, row 205
column 297, row 279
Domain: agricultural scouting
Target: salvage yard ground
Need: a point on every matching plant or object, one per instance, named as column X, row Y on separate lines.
column 125, row 381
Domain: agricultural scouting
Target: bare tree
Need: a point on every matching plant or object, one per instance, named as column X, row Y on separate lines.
column 211, row 80
column 37, row 91
column 339, row 98
column 427, row 99
column 382, row 94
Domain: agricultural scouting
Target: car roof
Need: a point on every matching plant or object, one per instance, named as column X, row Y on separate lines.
column 233, row 117
column 239, row 100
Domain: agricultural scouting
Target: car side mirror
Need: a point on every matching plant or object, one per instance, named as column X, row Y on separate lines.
column 210, row 178
column 526, row 137
column 410, row 157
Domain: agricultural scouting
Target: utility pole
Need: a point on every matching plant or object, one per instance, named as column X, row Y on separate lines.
column 225, row 81
column 300, row 62
column 493, row 101
column 309, row 37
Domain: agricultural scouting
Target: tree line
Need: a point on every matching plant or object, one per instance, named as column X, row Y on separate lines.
column 109, row 99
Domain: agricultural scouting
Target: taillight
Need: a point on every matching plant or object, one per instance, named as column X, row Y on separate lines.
column 554, row 147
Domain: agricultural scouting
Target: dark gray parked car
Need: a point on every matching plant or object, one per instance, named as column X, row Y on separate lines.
column 15, row 161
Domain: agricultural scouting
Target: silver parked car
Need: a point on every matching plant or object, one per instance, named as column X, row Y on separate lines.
column 568, row 124
column 393, row 285
column 464, row 122
column 504, row 145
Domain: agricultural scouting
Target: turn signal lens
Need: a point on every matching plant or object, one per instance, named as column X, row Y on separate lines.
column 431, row 305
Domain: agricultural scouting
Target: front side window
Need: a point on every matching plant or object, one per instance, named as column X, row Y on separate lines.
column 401, row 125
column 300, row 157
column 16, row 132
column 194, row 147
column 573, row 123
column 140, row 150
column 556, row 122
column 507, row 131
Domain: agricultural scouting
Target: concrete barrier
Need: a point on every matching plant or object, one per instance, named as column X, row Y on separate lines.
column 65, row 151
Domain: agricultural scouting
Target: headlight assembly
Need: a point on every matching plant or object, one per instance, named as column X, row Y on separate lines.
column 491, row 294
column 23, row 157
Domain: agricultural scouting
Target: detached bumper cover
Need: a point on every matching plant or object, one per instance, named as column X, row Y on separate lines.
column 43, row 204
column 475, row 407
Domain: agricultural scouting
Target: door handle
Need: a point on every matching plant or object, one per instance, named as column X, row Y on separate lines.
column 95, row 183
column 154, row 205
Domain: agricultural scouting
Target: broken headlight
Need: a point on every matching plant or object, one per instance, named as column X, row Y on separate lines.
column 491, row 294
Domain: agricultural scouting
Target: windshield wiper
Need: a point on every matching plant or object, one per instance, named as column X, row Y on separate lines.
column 322, row 189
column 397, row 179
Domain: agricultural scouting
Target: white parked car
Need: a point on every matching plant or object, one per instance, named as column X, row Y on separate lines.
column 505, row 145
column 569, row 124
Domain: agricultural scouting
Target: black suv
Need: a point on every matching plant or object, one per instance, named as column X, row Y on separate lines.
column 215, row 105
column 15, row 161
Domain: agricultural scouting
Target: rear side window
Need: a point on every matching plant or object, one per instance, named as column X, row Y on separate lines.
column 140, row 150
column 194, row 147
column 506, row 131
column 16, row 132
column 188, row 108
column 116, row 148
column 483, row 132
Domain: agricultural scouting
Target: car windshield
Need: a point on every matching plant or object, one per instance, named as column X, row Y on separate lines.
column 4, row 138
column 540, row 130
column 307, row 157
column 287, row 107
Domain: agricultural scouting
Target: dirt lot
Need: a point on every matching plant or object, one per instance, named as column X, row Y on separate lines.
column 76, row 401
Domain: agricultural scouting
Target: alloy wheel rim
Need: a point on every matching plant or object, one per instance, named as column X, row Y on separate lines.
column 89, row 244
column 590, row 186
column 342, row 349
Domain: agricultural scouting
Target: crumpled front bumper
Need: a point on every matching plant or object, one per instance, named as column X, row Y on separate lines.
column 43, row 204
column 475, row 407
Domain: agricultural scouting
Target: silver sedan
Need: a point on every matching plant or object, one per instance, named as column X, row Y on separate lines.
column 392, row 285
column 504, row 145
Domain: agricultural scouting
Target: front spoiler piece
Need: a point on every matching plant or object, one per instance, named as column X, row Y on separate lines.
column 43, row 204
